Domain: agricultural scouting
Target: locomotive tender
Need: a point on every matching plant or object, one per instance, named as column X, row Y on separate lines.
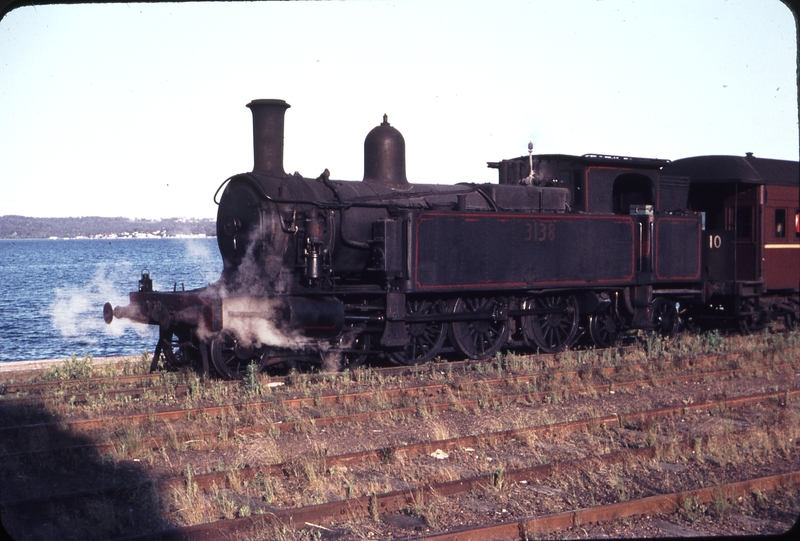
column 561, row 246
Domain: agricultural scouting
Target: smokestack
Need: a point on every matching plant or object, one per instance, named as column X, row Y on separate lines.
column 268, row 136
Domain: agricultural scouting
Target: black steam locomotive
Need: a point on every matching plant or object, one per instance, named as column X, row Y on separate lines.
column 562, row 246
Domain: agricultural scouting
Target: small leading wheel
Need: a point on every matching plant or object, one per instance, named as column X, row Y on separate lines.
column 425, row 339
column 179, row 349
column 555, row 328
column 358, row 353
column 482, row 337
column 332, row 360
column 664, row 317
column 231, row 356
column 605, row 328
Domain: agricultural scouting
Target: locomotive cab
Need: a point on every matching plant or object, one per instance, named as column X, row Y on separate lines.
column 654, row 262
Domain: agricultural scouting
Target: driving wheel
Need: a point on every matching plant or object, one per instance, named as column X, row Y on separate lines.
column 664, row 317
column 605, row 328
column 425, row 339
column 482, row 337
column 555, row 327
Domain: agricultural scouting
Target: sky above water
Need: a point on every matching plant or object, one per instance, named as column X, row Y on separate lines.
column 138, row 110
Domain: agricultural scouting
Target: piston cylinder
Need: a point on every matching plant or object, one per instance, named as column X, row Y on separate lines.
column 315, row 318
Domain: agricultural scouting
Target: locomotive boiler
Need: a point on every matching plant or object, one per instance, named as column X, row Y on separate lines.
column 333, row 272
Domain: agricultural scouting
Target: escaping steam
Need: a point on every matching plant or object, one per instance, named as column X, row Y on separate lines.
column 74, row 310
column 259, row 320
column 250, row 309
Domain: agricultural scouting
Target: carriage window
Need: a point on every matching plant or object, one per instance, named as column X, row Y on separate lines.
column 780, row 223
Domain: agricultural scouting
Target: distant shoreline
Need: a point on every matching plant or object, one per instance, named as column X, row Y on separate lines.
column 200, row 236
column 98, row 227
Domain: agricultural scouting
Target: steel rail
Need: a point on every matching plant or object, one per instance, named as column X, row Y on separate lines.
column 393, row 502
column 38, row 387
column 79, row 398
column 289, row 426
column 533, row 526
column 206, row 481
column 364, row 506
column 220, row 478
column 410, row 391
column 157, row 441
column 84, row 397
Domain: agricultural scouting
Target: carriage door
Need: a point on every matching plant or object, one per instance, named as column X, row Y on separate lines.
column 743, row 216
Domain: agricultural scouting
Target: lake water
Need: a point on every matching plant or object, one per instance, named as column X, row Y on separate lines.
column 52, row 292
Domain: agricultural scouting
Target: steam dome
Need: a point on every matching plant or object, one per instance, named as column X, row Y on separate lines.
column 385, row 156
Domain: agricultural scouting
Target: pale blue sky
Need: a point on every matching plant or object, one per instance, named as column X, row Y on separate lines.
column 138, row 110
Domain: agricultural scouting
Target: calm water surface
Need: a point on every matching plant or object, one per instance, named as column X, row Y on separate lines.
column 52, row 292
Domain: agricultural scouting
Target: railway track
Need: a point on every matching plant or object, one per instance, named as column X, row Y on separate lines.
column 208, row 472
column 62, row 389
column 419, row 394
column 665, row 504
column 393, row 502
column 174, row 389
column 613, row 421
column 79, row 391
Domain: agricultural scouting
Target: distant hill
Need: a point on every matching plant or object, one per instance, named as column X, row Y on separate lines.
column 21, row 227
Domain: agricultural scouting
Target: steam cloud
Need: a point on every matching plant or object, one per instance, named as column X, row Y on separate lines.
column 251, row 311
column 75, row 311
column 257, row 319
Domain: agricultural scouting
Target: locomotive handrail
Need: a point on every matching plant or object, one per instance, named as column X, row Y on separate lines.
column 356, row 201
column 360, row 203
column 655, row 161
column 342, row 205
column 262, row 193
column 224, row 182
column 350, row 242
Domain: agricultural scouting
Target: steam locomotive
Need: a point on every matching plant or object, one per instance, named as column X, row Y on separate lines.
column 333, row 272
